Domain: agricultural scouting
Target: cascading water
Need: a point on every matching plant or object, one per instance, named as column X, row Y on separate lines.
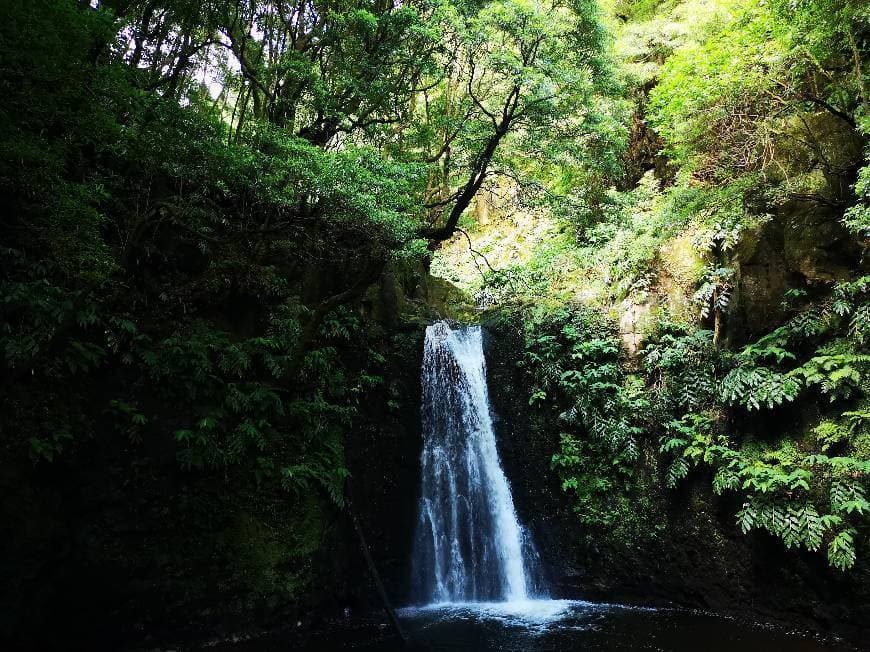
column 469, row 544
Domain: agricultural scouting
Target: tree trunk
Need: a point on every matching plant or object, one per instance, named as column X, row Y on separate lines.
column 376, row 577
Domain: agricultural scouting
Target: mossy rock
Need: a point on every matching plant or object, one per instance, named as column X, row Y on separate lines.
column 277, row 560
column 447, row 301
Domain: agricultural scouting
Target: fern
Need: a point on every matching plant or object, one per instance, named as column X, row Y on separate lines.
column 859, row 324
column 754, row 387
column 714, row 294
column 725, row 479
column 841, row 549
column 829, row 434
column 808, row 323
column 691, row 441
column 848, row 496
column 677, row 470
column 839, row 375
column 809, row 492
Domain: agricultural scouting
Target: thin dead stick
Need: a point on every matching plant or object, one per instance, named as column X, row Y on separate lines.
column 376, row 577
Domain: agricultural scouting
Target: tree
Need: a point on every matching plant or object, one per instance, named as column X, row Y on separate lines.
column 518, row 85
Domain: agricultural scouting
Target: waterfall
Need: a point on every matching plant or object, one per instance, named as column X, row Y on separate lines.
column 469, row 544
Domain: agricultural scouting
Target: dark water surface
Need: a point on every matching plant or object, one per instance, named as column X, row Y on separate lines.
column 551, row 626
column 561, row 625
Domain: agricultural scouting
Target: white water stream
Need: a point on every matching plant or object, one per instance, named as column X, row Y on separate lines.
column 469, row 546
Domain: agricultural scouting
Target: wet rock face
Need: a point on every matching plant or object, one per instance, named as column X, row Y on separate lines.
column 815, row 244
column 761, row 279
column 687, row 549
column 804, row 246
column 384, row 459
column 632, row 323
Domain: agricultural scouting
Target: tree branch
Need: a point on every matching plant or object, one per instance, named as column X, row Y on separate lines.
column 327, row 305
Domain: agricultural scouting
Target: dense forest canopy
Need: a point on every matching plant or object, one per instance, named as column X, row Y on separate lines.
column 201, row 202
column 181, row 160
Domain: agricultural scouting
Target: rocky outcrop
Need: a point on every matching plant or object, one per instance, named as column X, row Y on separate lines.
column 804, row 246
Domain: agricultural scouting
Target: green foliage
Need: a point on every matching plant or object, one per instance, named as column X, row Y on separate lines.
column 573, row 359
column 754, row 387
column 688, row 442
column 525, row 92
column 725, row 97
column 857, row 217
column 801, row 496
column 197, row 197
column 838, row 375
column 804, row 500
column 707, row 87
column 744, row 108
column 683, row 368
column 639, row 9
column 628, row 234
column 714, row 295
column 810, row 493
column 782, row 485
column 168, row 265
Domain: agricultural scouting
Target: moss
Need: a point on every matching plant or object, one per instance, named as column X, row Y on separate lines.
column 448, row 300
column 806, row 138
column 278, row 559
column 679, row 266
